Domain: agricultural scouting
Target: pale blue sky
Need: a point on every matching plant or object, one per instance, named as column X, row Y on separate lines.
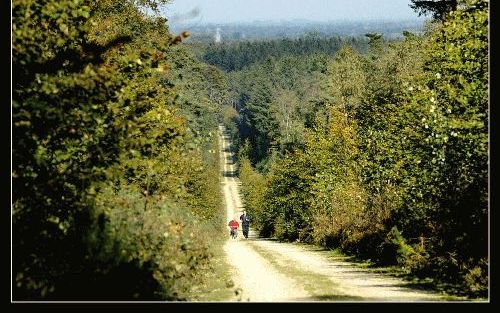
column 229, row 11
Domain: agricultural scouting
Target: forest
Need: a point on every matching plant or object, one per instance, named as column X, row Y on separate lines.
column 115, row 165
column 237, row 56
column 382, row 154
column 375, row 146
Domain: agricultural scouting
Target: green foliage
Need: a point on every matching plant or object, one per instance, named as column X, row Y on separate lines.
column 229, row 119
column 161, row 237
column 390, row 161
column 438, row 8
column 286, row 199
column 456, row 96
column 239, row 55
column 337, row 199
column 115, row 164
column 346, row 81
column 276, row 101
column 253, row 186
column 386, row 131
column 286, row 114
column 411, row 258
column 442, row 83
column 476, row 278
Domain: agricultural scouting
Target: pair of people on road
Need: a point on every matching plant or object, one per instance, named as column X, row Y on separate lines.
column 234, row 225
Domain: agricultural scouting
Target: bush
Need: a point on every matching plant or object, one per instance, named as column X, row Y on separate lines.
column 167, row 238
column 412, row 258
column 476, row 278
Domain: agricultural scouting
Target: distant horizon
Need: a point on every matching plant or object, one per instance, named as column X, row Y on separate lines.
column 297, row 28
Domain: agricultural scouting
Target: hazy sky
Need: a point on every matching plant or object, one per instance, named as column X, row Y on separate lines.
column 207, row 11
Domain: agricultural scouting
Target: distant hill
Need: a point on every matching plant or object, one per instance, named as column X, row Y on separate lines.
column 391, row 29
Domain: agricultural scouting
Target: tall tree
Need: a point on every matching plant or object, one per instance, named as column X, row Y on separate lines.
column 438, row 8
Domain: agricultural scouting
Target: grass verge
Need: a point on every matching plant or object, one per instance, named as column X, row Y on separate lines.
column 449, row 292
column 218, row 284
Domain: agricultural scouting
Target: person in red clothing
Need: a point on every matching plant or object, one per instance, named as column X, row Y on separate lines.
column 234, row 228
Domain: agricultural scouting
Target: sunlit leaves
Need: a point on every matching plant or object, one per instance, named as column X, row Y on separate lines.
column 104, row 161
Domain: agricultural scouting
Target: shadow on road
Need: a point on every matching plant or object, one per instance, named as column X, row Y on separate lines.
column 230, row 160
column 230, row 174
column 332, row 297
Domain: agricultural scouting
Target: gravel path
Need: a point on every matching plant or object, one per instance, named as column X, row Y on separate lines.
column 265, row 270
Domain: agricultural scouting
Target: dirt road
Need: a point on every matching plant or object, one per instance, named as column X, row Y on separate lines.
column 265, row 270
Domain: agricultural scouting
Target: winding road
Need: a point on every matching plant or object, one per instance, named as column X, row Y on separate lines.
column 265, row 270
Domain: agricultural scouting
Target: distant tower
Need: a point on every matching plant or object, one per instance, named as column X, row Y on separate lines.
column 218, row 37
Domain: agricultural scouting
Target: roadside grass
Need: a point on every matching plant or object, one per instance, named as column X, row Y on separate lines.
column 218, row 285
column 449, row 292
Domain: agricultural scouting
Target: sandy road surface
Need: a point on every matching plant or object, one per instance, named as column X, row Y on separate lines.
column 264, row 270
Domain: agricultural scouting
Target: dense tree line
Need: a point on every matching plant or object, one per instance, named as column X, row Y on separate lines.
column 275, row 101
column 115, row 163
column 235, row 56
column 382, row 154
